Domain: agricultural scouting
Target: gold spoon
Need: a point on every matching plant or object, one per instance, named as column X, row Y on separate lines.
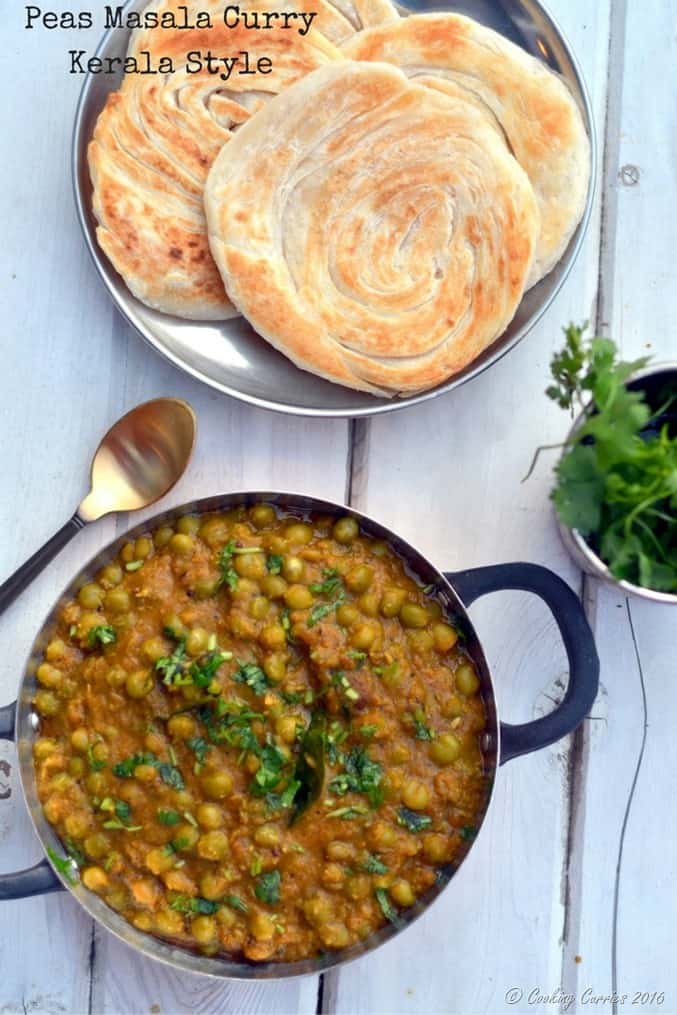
column 138, row 461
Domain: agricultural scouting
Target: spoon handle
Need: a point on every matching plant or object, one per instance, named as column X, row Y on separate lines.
column 23, row 576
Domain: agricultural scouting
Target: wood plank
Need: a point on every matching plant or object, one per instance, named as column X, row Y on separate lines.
column 50, row 311
column 447, row 475
column 621, row 868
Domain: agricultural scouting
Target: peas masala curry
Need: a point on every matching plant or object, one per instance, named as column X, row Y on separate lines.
column 259, row 737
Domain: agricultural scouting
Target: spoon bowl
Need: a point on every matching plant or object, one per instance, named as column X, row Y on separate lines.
column 141, row 458
column 138, row 461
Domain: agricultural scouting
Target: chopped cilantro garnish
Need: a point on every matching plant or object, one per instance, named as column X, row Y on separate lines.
column 172, row 667
column 200, row 748
column 168, row 817
column 269, row 774
column 362, row 775
column 64, row 865
column 372, row 865
column 468, row 832
column 274, row 563
column 125, row 769
column 331, row 584
column 204, row 669
column 102, row 634
column 412, row 820
column 169, row 773
column 96, row 764
column 228, row 575
column 421, row 729
column 322, row 610
column 253, row 676
column 235, row 902
column 387, row 907
column 184, row 904
column 268, row 888
column 285, row 799
column 348, row 813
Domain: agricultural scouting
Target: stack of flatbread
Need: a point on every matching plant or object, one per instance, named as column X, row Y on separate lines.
column 376, row 205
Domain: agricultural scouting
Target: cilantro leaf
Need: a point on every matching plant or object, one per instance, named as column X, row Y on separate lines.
column 168, row 817
column 268, row 888
column 235, row 902
column 64, row 865
column 228, row 575
column 361, row 775
column 274, row 563
column 331, row 584
column 387, row 908
column 102, row 634
column 372, row 865
column 253, row 676
column 616, row 482
column 412, row 820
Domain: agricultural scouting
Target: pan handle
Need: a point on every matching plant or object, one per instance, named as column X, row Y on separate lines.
column 37, row 880
column 578, row 641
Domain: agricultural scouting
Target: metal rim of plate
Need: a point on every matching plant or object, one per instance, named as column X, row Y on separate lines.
column 228, row 355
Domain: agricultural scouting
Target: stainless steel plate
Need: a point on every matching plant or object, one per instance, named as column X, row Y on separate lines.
column 229, row 355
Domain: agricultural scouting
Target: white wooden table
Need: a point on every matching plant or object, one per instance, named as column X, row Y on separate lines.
column 572, row 882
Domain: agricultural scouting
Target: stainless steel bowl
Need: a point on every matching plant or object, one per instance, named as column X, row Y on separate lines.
column 502, row 741
column 229, row 355
column 583, row 555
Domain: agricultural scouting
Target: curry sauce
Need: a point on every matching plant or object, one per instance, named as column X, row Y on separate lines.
column 259, row 736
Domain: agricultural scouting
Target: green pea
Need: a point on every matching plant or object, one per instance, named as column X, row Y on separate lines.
column 445, row 749
column 262, row 515
column 250, row 565
column 117, row 601
column 205, row 588
column 181, row 544
column 345, row 531
column 392, row 601
column 46, row 703
column 48, row 675
column 359, row 578
column 275, row 667
column 298, row 534
column 214, row 531
column 347, row 614
column 274, row 586
column 217, row 784
column 369, row 603
column 298, row 597
column 467, row 680
column 163, row 536
column 172, row 622
column 110, row 576
column 188, row 525
column 259, row 607
column 116, row 676
column 143, row 548
column 364, row 636
column 153, row 649
column 197, row 641
column 413, row 615
column 293, row 569
column 139, row 683
column 90, row 596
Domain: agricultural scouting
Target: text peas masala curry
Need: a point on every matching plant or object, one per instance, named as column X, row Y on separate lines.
column 258, row 736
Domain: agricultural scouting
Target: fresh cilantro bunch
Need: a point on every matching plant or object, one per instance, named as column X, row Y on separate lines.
column 617, row 480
